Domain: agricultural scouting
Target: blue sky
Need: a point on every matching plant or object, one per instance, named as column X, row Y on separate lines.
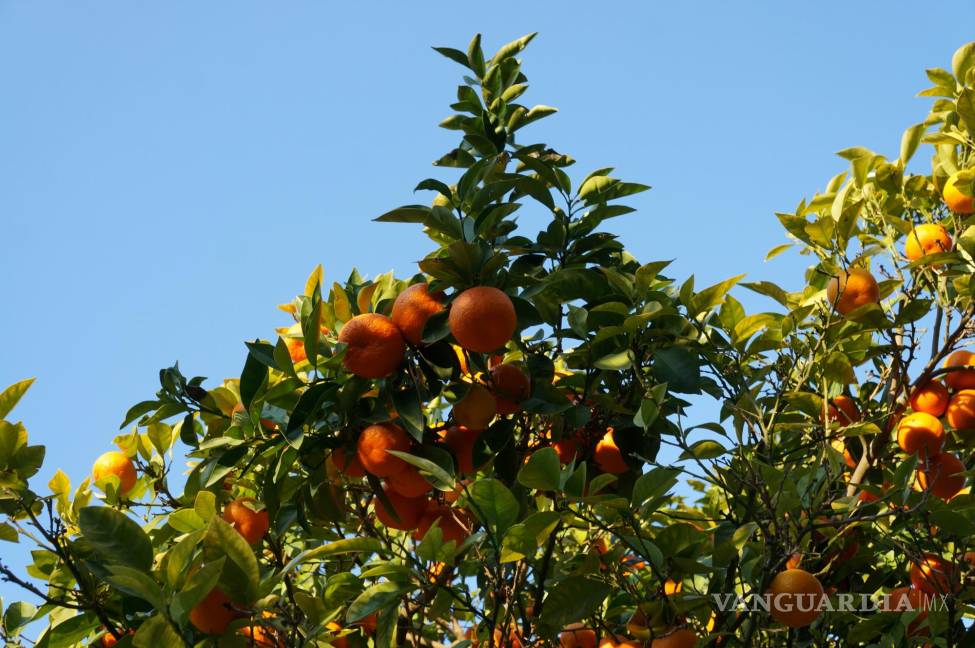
column 169, row 172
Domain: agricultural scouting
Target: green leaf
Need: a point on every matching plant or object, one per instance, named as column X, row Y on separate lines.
column 523, row 540
column 777, row 250
column 615, row 361
column 197, row 586
column 337, row 548
column 156, row 632
column 17, row 616
column 375, row 598
column 240, row 578
column 493, row 503
column 572, row 599
column 677, row 367
column 543, row 470
column 454, row 55
column 440, row 478
column 654, row 484
column 136, row 583
column 407, row 404
column 703, row 450
column 711, row 296
column 406, row 214
column 10, row 396
column 511, row 49
column 205, row 505
column 138, row 410
column 8, row 533
column 116, row 537
column 837, row 368
column 910, row 141
column 963, row 60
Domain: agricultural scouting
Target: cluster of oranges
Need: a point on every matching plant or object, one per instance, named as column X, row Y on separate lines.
column 854, row 288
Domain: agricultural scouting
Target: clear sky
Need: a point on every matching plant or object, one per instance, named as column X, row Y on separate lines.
column 169, row 172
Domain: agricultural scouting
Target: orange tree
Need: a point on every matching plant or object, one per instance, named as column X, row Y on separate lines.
column 468, row 456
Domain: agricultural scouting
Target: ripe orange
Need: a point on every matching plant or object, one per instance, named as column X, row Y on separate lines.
column 374, row 444
column 850, row 290
column 346, row 461
column 960, row 378
column 511, row 386
column 683, row 638
column 296, row 349
column 447, row 519
column 407, row 509
column 843, row 410
column 672, row 587
column 796, row 596
column 412, row 308
column 409, row 482
column 117, row 464
column 461, row 442
column 927, row 239
column 939, row 475
column 108, row 640
column 608, row 456
column 961, row 410
column 931, row 398
column 482, row 319
column 955, row 199
column 213, row 613
column 567, row 448
column 259, row 636
column 577, row 636
column 339, row 642
column 619, row 642
column 251, row 524
column 920, row 433
column 908, row 599
column 476, row 409
column 933, row 575
column 375, row 346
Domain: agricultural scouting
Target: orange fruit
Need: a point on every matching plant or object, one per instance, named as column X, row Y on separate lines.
column 511, row 385
column 927, row 239
column 296, row 349
column 672, row 587
column 476, row 409
column 213, row 613
column 795, row 598
column 108, row 640
column 567, row 449
column 374, row 346
column 577, row 636
column 961, row 410
column 933, row 575
column 117, row 464
column 374, row 444
column 461, row 442
column 683, row 638
column 939, row 476
column 412, row 308
column 852, row 289
column 346, row 461
column 608, row 456
column 482, row 319
column 920, row 433
column 619, row 642
column 368, row 624
column 409, row 482
column 843, row 410
column 955, row 199
column 447, row 519
column 251, row 524
column 931, row 398
column 409, row 510
column 339, row 642
column 960, row 378
column 262, row 637
column 908, row 599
